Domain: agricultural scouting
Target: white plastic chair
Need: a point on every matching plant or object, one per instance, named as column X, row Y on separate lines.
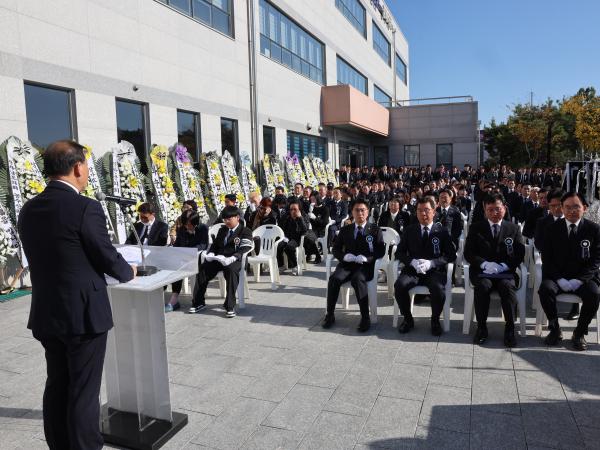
column 269, row 235
column 189, row 282
column 323, row 240
column 521, row 300
column 460, row 255
column 529, row 261
column 424, row 290
column 540, row 316
column 386, row 264
column 300, row 257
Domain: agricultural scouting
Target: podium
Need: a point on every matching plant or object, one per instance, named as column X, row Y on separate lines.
column 138, row 413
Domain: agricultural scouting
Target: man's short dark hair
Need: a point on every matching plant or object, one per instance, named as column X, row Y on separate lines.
column 61, row 156
column 229, row 212
column 493, row 198
column 554, row 193
column 294, row 202
column 450, row 192
column 299, row 184
column 146, row 208
column 572, row 194
column 231, row 197
column 359, row 201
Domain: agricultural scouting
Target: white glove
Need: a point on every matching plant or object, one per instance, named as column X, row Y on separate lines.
column 416, row 263
column 219, row 258
column 209, row 257
column 575, row 283
column 503, row 267
column 311, row 216
column 229, row 260
column 565, row 285
column 360, row 259
column 492, row 268
column 285, row 240
column 349, row 257
column 425, row 265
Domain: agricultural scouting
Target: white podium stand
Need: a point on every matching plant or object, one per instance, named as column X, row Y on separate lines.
column 136, row 372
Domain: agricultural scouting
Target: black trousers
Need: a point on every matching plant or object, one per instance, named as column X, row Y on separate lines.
column 333, row 229
column 590, row 296
column 209, row 270
column 435, row 282
column 176, row 286
column 71, row 399
column 506, row 288
column 310, row 244
column 358, row 277
column 289, row 248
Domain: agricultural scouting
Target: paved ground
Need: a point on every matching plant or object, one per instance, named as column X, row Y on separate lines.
column 272, row 378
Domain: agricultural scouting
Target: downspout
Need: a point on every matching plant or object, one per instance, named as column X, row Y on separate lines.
column 394, row 67
column 252, row 83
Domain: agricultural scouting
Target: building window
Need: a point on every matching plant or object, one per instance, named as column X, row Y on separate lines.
column 268, row 140
column 284, row 41
column 217, row 14
column 229, row 137
column 380, row 156
column 401, row 70
column 50, row 114
column 188, row 132
column 132, row 126
column 443, row 155
column 381, row 45
column 412, row 155
column 304, row 144
column 382, row 98
column 355, row 13
column 346, row 74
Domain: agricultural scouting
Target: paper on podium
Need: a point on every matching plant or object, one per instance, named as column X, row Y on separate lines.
column 132, row 254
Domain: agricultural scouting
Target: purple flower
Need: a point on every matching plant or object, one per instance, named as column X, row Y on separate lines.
column 181, row 154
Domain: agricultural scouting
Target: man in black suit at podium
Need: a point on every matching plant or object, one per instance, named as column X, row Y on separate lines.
column 224, row 255
column 67, row 246
column 494, row 249
column 426, row 248
column 150, row 230
column 356, row 248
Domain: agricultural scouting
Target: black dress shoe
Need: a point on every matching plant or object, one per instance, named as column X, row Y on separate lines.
column 509, row 338
column 436, row 327
column 406, row 326
column 328, row 321
column 554, row 337
column 579, row 343
column 318, row 259
column 480, row 335
column 574, row 313
column 364, row 325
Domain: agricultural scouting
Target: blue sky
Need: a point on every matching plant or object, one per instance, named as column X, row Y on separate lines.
column 500, row 51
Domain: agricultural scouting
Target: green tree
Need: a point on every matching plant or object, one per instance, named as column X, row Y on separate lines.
column 584, row 107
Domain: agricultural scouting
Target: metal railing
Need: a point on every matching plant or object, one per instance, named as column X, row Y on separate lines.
column 435, row 100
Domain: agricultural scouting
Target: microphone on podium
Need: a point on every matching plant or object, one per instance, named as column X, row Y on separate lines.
column 143, row 270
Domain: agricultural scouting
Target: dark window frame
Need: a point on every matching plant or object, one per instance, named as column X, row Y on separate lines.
column 71, row 104
column 377, row 48
column 437, row 160
column 197, row 131
column 146, row 128
column 191, row 15
column 418, row 159
column 236, row 138
column 366, row 92
column 273, row 139
column 323, row 139
column 342, row 8
column 388, row 97
column 405, row 78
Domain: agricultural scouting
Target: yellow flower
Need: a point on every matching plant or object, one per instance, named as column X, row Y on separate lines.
column 28, row 165
column 214, row 165
column 88, row 152
column 133, row 181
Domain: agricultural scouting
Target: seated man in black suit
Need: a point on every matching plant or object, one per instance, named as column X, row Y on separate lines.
column 224, row 255
column 494, row 249
column 67, row 246
column 294, row 226
column 449, row 216
column 150, row 230
column 463, row 202
column 338, row 210
column 394, row 217
column 570, row 263
column 425, row 250
column 356, row 248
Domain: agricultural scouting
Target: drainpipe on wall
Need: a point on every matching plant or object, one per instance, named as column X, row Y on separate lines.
column 252, row 83
column 394, row 67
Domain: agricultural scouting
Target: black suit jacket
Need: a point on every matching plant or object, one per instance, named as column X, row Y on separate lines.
column 159, row 233
column 338, row 210
column 453, row 222
column 531, row 221
column 480, row 246
column 514, row 200
column 412, row 247
column 66, row 243
column 464, row 205
column 541, row 227
column 237, row 245
column 563, row 259
column 526, row 208
column 346, row 243
column 402, row 220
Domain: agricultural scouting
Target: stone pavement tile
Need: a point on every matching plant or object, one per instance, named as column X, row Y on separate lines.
column 591, row 436
column 452, row 370
column 549, row 423
column 536, row 383
column 214, row 397
column 188, row 355
column 247, row 349
column 456, row 343
column 491, row 430
column 357, row 393
column 376, row 358
column 446, row 407
column 415, row 352
column 585, row 406
column 391, row 419
column 493, row 359
column 18, row 440
column 437, row 438
column 237, row 423
column 407, row 381
column 197, row 423
column 533, row 359
column 575, row 368
column 495, row 393
column 274, row 384
column 333, row 431
column 267, row 438
column 299, row 408
column 328, row 371
column 206, row 367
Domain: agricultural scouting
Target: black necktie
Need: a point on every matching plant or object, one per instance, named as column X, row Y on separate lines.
column 425, row 236
column 495, row 233
column 572, row 232
column 144, row 234
column 229, row 235
column 444, row 216
column 359, row 231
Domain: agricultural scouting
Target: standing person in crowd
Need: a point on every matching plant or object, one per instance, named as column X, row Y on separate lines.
column 190, row 234
column 425, row 250
column 150, row 230
column 294, row 226
column 224, row 255
column 494, row 249
column 263, row 215
column 536, row 213
column 338, row 210
column 67, row 246
column 513, row 198
column 356, row 248
column 394, row 217
column 449, row 216
column 570, row 263
column 530, row 204
column 318, row 216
